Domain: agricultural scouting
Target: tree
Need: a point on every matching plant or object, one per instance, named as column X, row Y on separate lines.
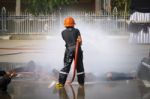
column 37, row 7
column 121, row 4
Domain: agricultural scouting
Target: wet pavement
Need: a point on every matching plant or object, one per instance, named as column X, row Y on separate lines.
column 122, row 57
column 111, row 54
column 127, row 89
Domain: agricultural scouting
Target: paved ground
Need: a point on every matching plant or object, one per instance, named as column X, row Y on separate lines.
column 131, row 89
column 110, row 54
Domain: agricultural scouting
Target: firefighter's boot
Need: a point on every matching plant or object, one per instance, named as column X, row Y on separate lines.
column 59, row 86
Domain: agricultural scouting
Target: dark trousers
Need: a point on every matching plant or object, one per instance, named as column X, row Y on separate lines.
column 68, row 58
column 4, row 81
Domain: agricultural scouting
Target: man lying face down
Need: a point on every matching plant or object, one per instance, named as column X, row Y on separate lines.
column 5, row 79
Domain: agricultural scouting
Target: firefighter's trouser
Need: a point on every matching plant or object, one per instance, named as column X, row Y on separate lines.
column 68, row 58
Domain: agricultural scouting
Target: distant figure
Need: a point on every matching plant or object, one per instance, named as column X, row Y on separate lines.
column 46, row 28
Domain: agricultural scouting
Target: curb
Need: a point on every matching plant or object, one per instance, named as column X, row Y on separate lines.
column 24, row 37
column 6, row 37
column 28, row 37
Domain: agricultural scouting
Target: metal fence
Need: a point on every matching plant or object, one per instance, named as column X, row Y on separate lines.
column 26, row 23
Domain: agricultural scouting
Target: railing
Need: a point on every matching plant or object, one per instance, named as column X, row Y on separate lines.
column 47, row 24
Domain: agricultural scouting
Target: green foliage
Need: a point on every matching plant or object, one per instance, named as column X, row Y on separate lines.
column 37, row 7
column 120, row 4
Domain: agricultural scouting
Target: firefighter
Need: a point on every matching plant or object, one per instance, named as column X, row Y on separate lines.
column 71, row 35
column 5, row 79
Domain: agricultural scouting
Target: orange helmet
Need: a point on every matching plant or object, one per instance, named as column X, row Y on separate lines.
column 69, row 22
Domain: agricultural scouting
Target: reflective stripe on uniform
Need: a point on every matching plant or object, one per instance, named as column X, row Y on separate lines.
column 63, row 72
column 145, row 64
column 80, row 73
